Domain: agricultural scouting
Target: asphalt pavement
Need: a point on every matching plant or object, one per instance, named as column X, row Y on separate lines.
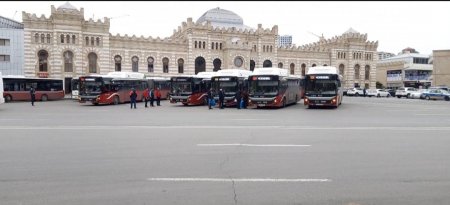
column 367, row 151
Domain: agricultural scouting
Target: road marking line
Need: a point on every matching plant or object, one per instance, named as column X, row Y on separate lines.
column 256, row 145
column 121, row 127
column 236, row 180
column 432, row 114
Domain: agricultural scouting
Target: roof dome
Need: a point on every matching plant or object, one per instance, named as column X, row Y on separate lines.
column 351, row 30
column 67, row 6
column 222, row 18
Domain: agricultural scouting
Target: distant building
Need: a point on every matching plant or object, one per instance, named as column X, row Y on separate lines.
column 383, row 55
column 66, row 45
column 441, row 67
column 11, row 47
column 285, row 40
column 408, row 69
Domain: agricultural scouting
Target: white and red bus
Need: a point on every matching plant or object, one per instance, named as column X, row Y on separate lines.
column 323, row 87
column 273, row 87
column 191, row 90
column 2, row 99
column 113, row 88
column 17, row 88
column 162, row 83
column 230, row 81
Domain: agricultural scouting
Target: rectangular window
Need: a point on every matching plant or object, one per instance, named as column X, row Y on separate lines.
column 4, row 42
column 4, row 58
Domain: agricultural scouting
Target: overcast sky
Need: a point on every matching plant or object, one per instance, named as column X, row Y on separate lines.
column 424, row 26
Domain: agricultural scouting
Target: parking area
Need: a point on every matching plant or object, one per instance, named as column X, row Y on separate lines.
column 367, row 151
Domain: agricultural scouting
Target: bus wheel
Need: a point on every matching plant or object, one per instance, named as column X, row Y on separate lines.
column 44, row 98
column 116, row 100
column 8, row 98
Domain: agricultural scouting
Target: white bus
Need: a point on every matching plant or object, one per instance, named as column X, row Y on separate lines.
column 230, row 81
column 323, row 87
column 273, row 87
column 2, row 100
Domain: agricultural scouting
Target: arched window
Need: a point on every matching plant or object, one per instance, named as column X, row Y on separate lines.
column 264, row 48
column 292, row 67
column 92, row 58
column 48, row 38
column 68, row 61
column 267, row 64
column 217, row 63
column 195, row 44
column 62, row 38
column 271, row 49
column 181, row 65
column 87, row 41
column 117, row 63
column 67, row 39
column 43, row 56
column 220, row 46
column 92, row 41
column 212, row 45
column 165, row 62
column 42, row 38
column 36, row 38
column 280, row 65
column 135, row 64
column 73, row 39
column 217, row 45
column 325, row 64
column 303, row 69
column 97, row 40
column 150, row 61
column 238, row 61
column 367, row 72
column 357, row 71
column 252, row 65
column 313, row 65
column 204, row 45
column 341, row 69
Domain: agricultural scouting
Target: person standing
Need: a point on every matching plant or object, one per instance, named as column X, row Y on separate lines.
column 221, row 98
column 238, row 99
column 152, row 97
column 33, row 95
column 158, row 97
column 210, row 98
column 133, row 96
column 364, row 91
column 245, row 98
column 146, row 96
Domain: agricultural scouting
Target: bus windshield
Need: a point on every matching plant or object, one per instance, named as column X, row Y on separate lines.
column 320, row 86
column 181, row 88
column 228, row 87
column 93, row 86
column 263, row 87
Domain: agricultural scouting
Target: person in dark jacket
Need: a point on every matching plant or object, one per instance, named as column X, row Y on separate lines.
column 221, row 98
column 133, row 96
column 152, row 97
column 245, row 98
column 238, row 99
column 33, row 95
column 364, row 91
column 210, row 97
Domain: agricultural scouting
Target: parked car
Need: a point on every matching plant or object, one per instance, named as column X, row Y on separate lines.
column 404, row 92
column 391, row 92
column 437, row 94
column 355, row 92
column 378, row 93
column 439, row 87
column 418, row 94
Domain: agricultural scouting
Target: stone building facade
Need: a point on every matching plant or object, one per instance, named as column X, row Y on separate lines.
column 441, row 67
column 65, row 46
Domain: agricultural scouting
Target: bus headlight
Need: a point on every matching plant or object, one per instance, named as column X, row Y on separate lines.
column 333, row 101
column 306, row 100
column 275, row 101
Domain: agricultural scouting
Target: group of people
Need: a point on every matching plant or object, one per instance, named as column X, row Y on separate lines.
column 149, row 95
column 240, row 97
